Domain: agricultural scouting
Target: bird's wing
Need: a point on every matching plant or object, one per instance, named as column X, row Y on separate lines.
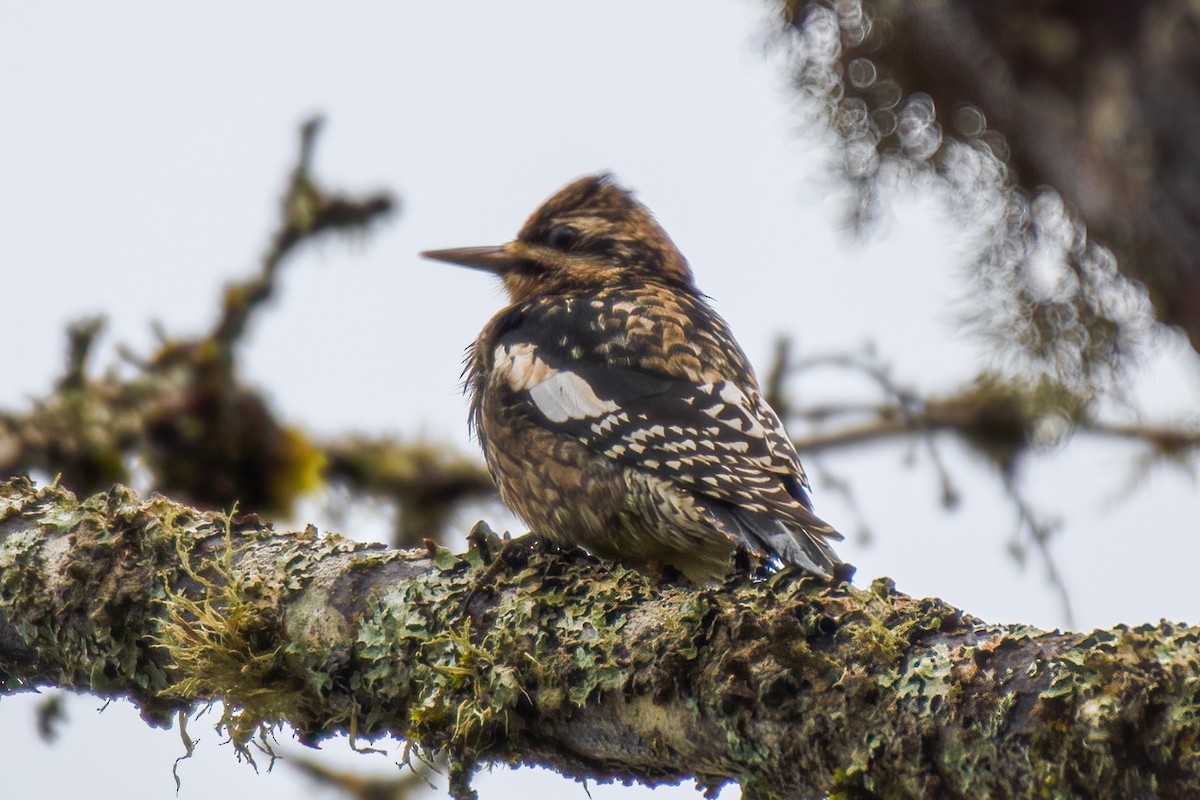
column 718, row 438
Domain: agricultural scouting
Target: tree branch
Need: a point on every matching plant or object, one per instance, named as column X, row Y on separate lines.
column 794, row 688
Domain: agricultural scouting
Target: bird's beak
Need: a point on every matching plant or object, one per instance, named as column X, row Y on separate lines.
column 497, row 260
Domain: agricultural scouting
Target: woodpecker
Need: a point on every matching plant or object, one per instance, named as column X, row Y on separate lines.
column 614, row 407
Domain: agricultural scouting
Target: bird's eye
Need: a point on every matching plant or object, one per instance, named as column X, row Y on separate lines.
column 562, row 237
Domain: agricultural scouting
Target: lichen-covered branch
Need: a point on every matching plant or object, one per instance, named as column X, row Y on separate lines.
column 792, row 687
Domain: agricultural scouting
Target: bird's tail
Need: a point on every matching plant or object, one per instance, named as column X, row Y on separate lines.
column 802, row 540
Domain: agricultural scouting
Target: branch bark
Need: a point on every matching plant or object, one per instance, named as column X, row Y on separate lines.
column 792, row 687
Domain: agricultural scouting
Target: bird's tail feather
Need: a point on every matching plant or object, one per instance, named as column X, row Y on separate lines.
column 799, row 542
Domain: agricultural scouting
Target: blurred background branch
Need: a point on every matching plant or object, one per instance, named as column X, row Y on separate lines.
column 188, row 425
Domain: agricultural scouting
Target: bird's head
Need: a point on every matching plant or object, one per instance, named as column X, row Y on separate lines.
column 590, row 234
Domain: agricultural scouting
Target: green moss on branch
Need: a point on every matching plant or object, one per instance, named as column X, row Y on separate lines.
column 793, row 688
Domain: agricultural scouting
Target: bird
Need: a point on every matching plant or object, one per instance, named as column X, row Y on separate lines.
column 614, row 407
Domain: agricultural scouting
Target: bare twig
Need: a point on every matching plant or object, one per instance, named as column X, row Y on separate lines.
column 307, row 211
column 81, row 336
column 1003, row 420
column 1040, row 531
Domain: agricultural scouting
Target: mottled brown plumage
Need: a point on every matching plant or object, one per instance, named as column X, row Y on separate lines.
column 615, row 409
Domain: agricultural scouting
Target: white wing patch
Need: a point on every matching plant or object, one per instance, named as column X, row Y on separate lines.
column 565, row 396
column 559, row 394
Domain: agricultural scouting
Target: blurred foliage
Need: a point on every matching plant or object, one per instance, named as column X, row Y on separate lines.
column 1064, row 131
column 51, row 716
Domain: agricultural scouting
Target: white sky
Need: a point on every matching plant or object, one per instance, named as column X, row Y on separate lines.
column 141, row 154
